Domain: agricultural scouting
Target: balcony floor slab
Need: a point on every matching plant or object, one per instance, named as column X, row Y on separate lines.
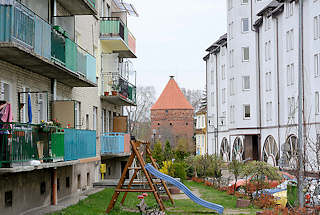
column 18, row 55
column 118, row 100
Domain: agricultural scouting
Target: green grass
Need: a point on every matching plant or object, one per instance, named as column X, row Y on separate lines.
column 96, row 204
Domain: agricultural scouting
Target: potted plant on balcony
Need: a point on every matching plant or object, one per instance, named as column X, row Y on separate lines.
column 106, row 93
column 115, row 89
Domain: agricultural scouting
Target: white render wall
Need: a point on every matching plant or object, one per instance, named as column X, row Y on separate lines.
column 275, row 120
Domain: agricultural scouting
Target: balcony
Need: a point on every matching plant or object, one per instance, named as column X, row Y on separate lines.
column 116, row 38
column 118, row 90
column 115, row 144
column 80, row 7
column 43, row 49
column 34, row 145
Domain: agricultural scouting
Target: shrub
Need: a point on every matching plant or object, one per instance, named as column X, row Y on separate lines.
column 235, row 168
column 157, row 153
column 179, row 170
column 265, row 201
column 167, row 168
column 168, row 154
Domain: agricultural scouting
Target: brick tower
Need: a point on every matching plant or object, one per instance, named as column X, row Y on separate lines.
column 172, row 117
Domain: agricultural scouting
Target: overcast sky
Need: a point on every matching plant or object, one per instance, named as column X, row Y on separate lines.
column 172, row 36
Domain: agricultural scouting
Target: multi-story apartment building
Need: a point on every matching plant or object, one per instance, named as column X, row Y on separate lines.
column 201, row 132
column 252, row 104
column 54, row 60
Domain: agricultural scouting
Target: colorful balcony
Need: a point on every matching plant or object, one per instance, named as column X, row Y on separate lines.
column 118, row 90
column 34, row 145
column 43, row 49
column 80, row 7
column 115, row 144
column 116, row 38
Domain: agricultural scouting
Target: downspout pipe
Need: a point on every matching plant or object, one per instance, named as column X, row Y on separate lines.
column 278, row 81
column 217, row 102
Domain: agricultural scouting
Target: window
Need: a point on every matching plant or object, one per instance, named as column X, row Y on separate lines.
column 58, row 184
column 77, row 115
column 212, row 76
column 316, row 65
column 246, row 113
column 268, row 81
column 267, row 21
column 291, row 107
column 232, row 87
column 317, row 105
column 231, row 58
column 289, row 40
column 290, row 74
column 25, row 106
column 94, row 118
column 170, row 123
column 87, row 121
column 316, row 27
column 5, row 91
column 245, row 53
column 246, row 82
column 42, row 107
column 269, row 111
column 212, row 98
column 8, row 199
column 245, row 25
column 88, row 179
column 244, row 1
column 289, row 8
column 231, row 30
column 42, row 188
column 267, row 51
column 230, row 4
column 103, row 120
column 223, row 92
column 67, row 182
column 223, row 72
column 232, row 114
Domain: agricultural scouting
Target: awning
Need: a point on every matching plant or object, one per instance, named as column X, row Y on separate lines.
column 126, row 7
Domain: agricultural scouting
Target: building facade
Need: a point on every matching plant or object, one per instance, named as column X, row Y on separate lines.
column 52, row 55
column 172, row 117
column 252, row 104
column 201, row 132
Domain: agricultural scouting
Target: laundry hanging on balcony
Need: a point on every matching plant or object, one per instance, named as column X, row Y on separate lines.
column 29, row 109
column 5, row 116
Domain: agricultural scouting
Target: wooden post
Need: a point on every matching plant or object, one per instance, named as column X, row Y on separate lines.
column 54, row 187
column 120, row 183
column 155, row 166
column 129, row 185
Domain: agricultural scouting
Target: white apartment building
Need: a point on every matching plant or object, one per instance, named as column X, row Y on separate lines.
column 252, row 82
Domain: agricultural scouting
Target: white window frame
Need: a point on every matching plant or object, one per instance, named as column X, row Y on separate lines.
column 232, row 86
column 316, row 65
column 244, row 49
column 317, row 104
column 77, row 113
column 242, row 25
column 246, row 78
column 316, row 26
column 223, row 72
column 244, row 2
column 94, row 118
column 2, row 93
column 244, row 111
column 223, row 95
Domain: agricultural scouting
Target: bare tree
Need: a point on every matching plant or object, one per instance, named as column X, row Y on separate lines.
column 193, row 96
column 139, row 116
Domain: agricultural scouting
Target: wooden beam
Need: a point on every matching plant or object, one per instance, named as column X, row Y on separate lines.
column 134, row 190
column 129, row 185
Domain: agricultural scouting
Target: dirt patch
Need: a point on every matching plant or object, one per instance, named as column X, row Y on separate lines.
column 194, row 190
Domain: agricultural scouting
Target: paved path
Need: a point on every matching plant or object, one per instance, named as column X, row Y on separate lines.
column 194, row 190
column 64, row 203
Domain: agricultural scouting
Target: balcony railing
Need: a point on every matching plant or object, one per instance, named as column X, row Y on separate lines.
column 115, row 143
column 20, row 25
column 116, row 85
column 114, row 27
column 22, row 143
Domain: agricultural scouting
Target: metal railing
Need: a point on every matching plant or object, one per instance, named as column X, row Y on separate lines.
column 21, row 25
column 114, row 143
column 119, row 84
column 113, row 26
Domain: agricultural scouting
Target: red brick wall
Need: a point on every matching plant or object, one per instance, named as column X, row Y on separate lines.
column 181, row 126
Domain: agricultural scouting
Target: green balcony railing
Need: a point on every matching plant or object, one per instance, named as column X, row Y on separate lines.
column 19, row 24
column 113, row 26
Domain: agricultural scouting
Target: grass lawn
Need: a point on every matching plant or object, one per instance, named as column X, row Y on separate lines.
column 96, row 204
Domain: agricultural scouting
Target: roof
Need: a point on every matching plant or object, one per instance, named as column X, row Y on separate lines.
column 222, row 41
column 272, row 5
column 172, row 98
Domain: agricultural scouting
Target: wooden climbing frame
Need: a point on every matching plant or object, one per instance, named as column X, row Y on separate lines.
column 135, row 145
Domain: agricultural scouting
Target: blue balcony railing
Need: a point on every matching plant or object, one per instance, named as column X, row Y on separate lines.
column 79, row 144
column 114, row 143
column 20, row 25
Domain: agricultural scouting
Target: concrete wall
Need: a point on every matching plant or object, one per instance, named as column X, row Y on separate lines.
column 25, row 186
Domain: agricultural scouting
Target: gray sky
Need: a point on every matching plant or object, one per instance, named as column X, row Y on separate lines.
column 172, row 36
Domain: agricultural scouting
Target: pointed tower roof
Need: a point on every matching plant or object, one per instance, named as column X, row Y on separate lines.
column 172, row 98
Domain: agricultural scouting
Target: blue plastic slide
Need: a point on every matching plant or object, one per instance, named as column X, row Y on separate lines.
column 169, row 179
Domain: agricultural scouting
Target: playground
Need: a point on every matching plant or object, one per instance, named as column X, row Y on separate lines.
column 96, row 204
column 147, row 197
